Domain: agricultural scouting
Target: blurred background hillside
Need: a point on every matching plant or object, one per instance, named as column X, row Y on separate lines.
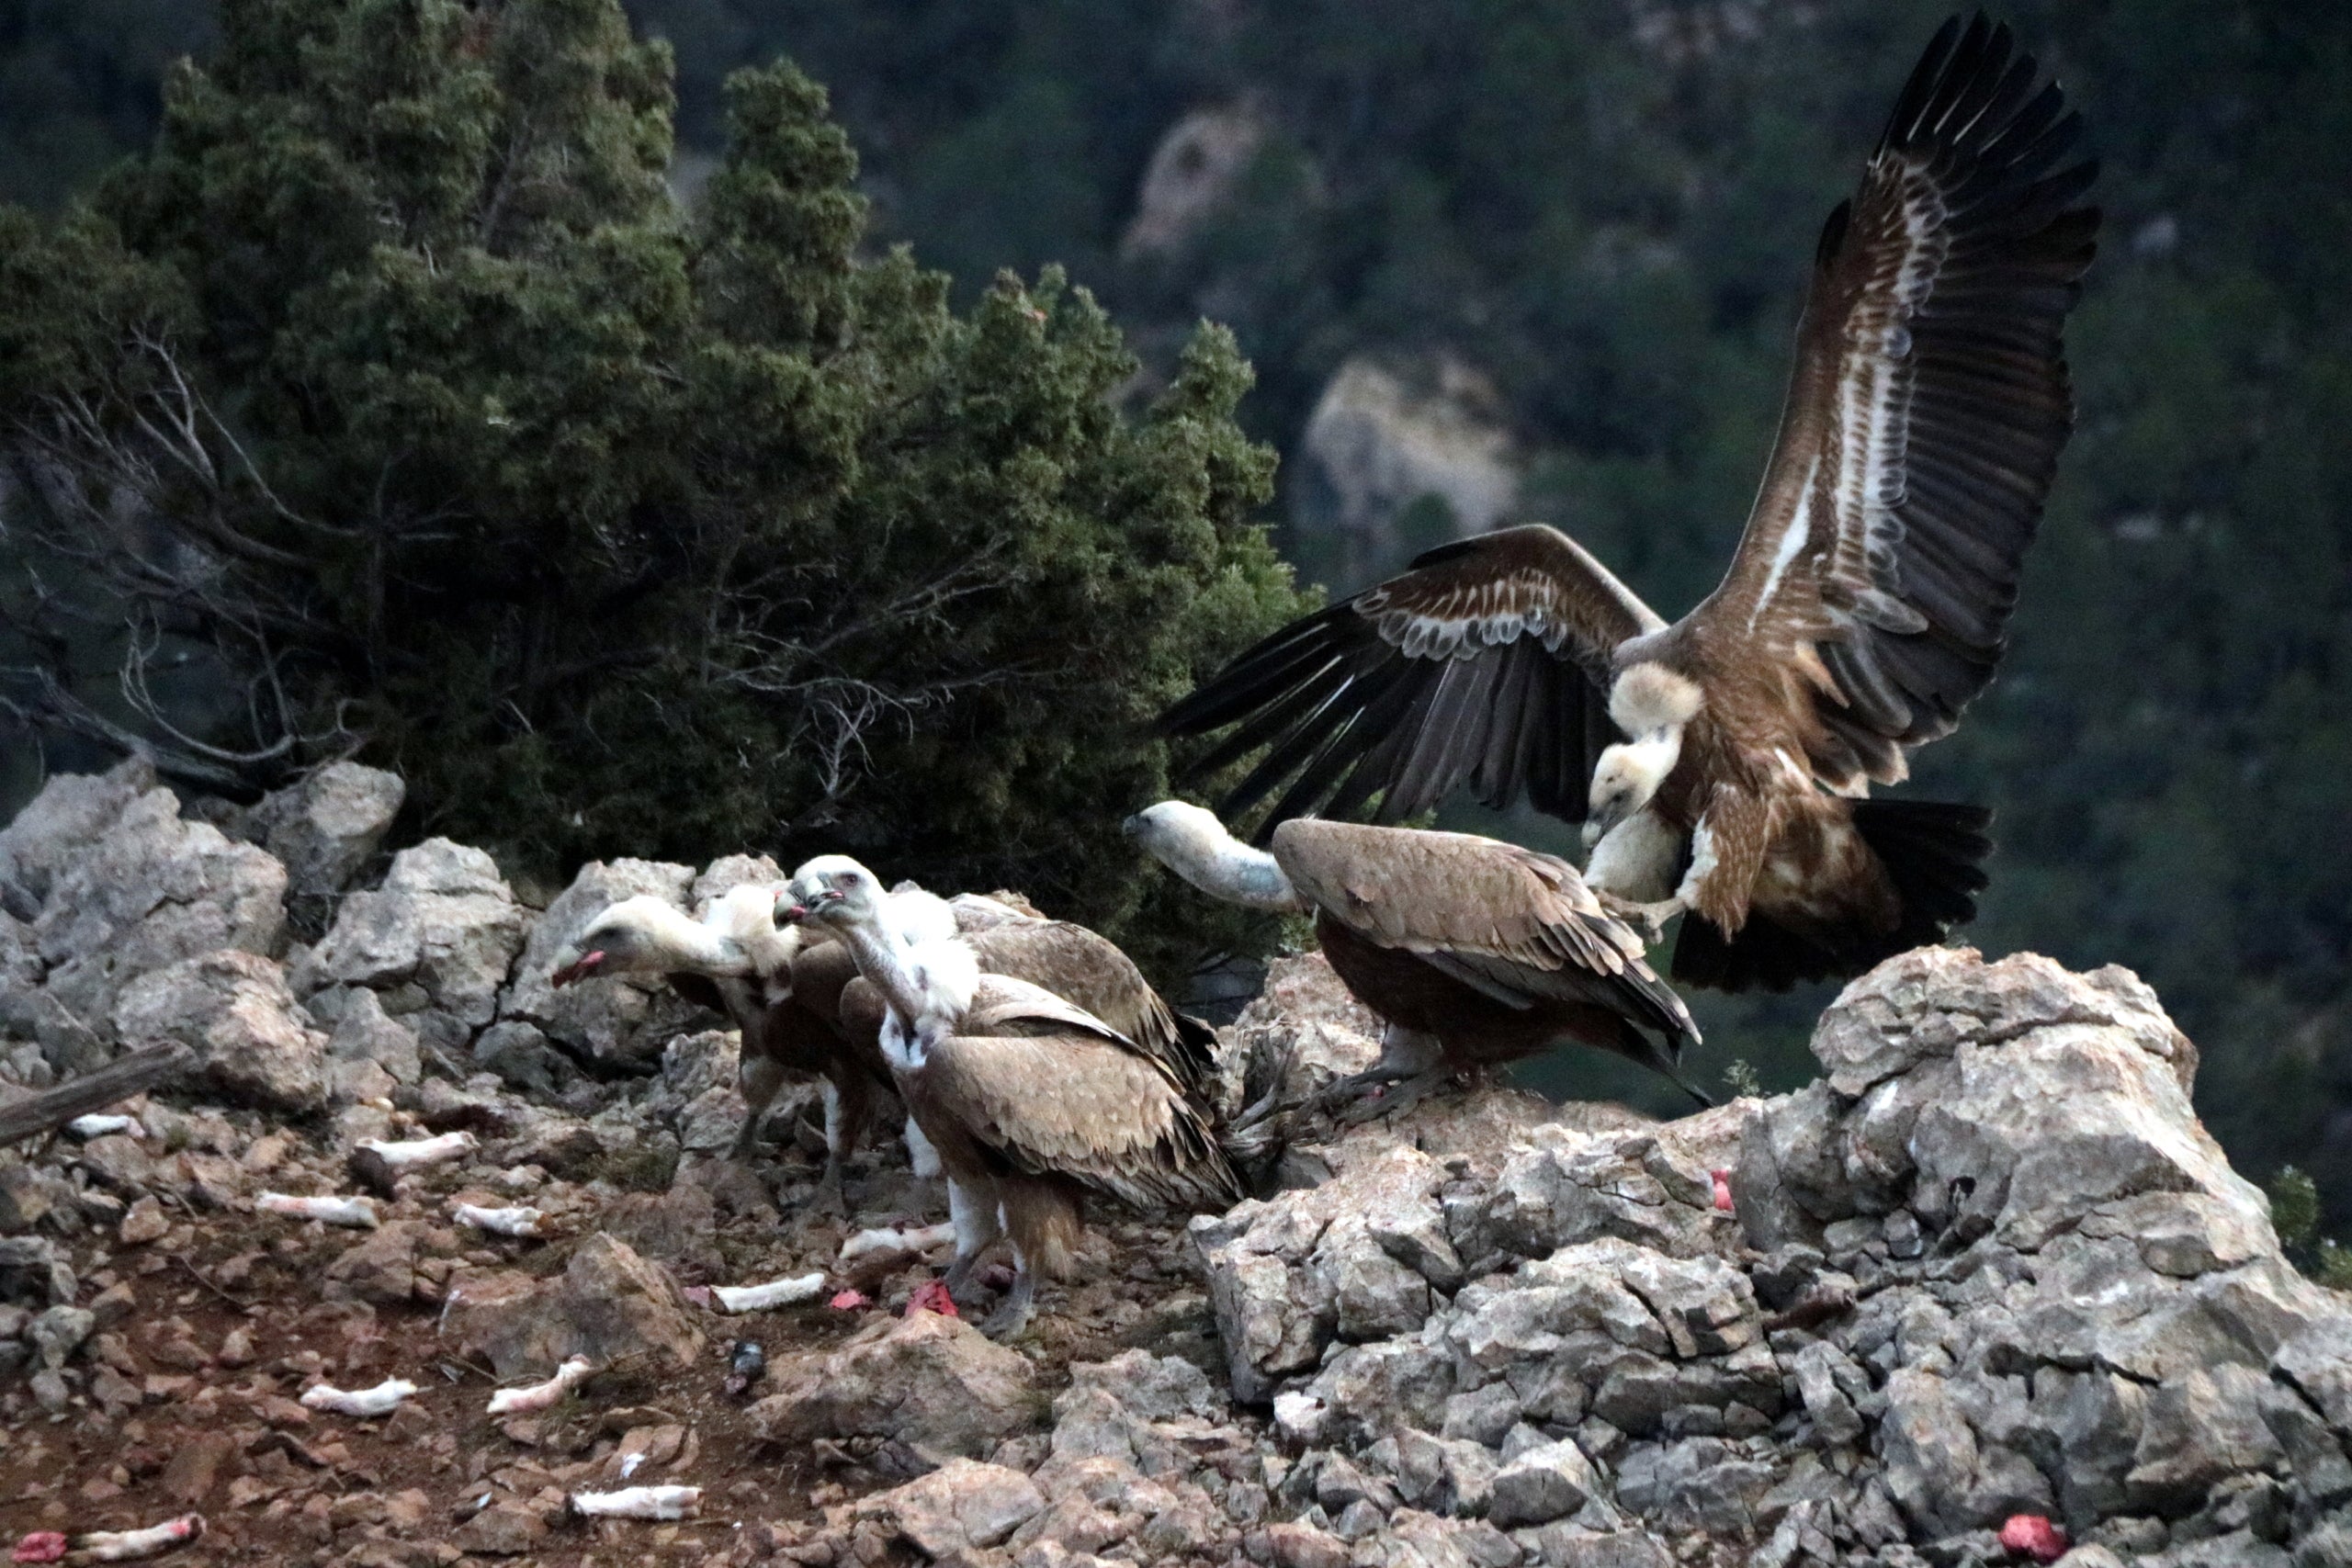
column 1498, row 261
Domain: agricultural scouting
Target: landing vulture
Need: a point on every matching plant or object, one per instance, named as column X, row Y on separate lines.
column 1474, row 952
column 1032, row 1102
column 1729, row 755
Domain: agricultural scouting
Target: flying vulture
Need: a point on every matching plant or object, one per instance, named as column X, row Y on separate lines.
column 1730, row 754
column 1032, row 1102
column 1474, row 952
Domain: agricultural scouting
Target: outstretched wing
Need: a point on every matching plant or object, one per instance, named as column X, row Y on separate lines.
column 1512, row 923
column 1925, row 416
column 1076, row 1104
column 1487, row 664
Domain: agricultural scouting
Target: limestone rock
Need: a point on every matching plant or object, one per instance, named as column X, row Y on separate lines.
column 926, row 1380
column 961, row 1506
column 251, row 1039
column 444, row 927
column 609, row 1303
column 1542, row 1485
column 125, row 888
column 325, row 829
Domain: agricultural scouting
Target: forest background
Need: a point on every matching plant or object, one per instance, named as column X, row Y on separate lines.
column 1540, row 259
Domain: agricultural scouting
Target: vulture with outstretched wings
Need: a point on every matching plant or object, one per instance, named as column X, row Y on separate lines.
column 1730, row 754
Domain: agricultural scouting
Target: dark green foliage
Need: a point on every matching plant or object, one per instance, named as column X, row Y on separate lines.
column 2294, row 1214
column 619, row 531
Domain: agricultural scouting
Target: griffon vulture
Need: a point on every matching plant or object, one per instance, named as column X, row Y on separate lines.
column 1032, row 1102
column 1474, row 952
column 1865, row 606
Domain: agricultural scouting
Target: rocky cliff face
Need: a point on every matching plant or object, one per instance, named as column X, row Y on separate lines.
column 1985, row 1281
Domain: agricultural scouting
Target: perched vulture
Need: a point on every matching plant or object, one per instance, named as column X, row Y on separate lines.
column 1474, row 952
column 1729, row 754
column 782, row 986
column 1032, row 1102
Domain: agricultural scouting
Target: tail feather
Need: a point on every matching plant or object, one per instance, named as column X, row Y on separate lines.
column 1934, row 852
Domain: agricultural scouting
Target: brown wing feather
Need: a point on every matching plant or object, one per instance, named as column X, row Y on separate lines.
column 1074, row 1104
column 1480, row 666
column 1513, row 923
column 1088, row 968
column 1925, row 416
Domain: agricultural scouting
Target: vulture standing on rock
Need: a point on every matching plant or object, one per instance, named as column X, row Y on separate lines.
column 1032, row 1102
column 782, row 986
column 1476, row 952
column 1865, row 606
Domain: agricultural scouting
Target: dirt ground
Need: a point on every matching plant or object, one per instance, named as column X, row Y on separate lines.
column 186, row 1397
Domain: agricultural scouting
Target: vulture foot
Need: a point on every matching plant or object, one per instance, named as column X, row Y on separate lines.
column 1649, row 919
column 1368, row 1098
column 829, row 1200
column 1008, row 1321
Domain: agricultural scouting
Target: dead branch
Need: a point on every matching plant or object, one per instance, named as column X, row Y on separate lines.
column 133, row 1073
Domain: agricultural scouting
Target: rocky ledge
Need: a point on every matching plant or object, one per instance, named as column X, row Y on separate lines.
column 1984, row 1293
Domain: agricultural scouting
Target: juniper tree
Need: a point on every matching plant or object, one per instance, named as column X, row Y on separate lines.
column 395, row 379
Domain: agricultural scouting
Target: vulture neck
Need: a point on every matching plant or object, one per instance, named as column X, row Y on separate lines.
column 886, row 959
column 1227, row 868
column 682, row 943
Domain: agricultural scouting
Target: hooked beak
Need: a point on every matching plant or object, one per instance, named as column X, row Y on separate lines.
column 579, row 968
column 1133, row 826
column 1597, row 823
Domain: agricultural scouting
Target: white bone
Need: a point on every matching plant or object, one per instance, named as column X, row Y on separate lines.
column 124, row 1546
column 541, row 1395
column 888, row 1238
column 357, row 1213
column 775, row 1293
column 418, row 1153
column 500, row 1221
column 381, row 1400
column 97, row 1126
column 639, row 1503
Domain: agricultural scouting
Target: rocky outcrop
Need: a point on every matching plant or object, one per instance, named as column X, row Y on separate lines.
column 609, row 1305
column 1193, row 169
column 435, row 942
column 1387, row 433
column 109, row 884
column 325, row 829
column 923, row 1379
column 251, row 1041
column 1989, row 1265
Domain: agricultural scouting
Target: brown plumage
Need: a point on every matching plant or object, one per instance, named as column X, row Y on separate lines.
column 1866, row 605
column 1032, row 1102
column 1474, row 952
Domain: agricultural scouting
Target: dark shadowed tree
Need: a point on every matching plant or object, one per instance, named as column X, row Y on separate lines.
column 395, row 383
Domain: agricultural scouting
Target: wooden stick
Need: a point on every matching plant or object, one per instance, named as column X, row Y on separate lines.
column 134, row 1072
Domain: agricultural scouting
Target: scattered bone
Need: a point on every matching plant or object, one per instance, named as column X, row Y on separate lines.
column 932, row 1296
column 639, row 1503
column 889, row 1238
column 775, row 1293
column 40, row 1546
column 124, row 1546
column 416, row 1153
column 381, row 1400
column 499, row 1221
column 542, row 1395
column 850, row 1301
column 357, row 1213
column 97, row 1126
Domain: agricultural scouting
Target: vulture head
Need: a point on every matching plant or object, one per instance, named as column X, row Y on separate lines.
column 645, row 935
column 1194, row 844
column 833, row 890
column 1651, row 704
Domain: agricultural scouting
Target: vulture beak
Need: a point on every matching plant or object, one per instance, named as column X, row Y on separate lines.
column 579, row 968
column 1597, row 823
column 1133, row 826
